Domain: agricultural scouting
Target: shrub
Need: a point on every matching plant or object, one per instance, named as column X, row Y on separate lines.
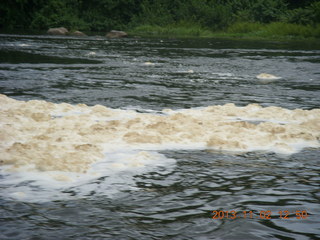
column 289, row 29
column 244, row 27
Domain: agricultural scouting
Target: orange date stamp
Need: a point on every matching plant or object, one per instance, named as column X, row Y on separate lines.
column 282, row 214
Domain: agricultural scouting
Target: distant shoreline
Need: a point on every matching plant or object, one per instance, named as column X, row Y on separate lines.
column 244, row 30
column 278, row 31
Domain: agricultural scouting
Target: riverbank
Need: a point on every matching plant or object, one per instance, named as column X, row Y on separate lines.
column 243, row 30
column 246, row 30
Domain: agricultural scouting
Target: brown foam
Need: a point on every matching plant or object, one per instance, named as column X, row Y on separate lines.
column 61, row 137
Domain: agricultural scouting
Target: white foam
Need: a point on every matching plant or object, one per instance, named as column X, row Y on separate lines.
column 223, row 74
column 23, row 45
column 149, row 64
column 91, row 54
column 107, row 177
column 186, row 71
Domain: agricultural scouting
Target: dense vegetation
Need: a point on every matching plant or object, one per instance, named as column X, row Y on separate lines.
column 183, row 17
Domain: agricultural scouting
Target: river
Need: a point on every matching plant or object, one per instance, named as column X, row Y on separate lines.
column 186, row 191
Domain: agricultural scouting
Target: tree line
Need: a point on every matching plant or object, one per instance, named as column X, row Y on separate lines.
column 104, row 15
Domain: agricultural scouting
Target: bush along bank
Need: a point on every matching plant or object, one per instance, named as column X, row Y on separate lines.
column 275, row 30
column 193, row 18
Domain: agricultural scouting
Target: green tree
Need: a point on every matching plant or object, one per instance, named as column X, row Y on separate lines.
column 17, row 13
column 102, row 15
column 266, row 11
column 57, row 13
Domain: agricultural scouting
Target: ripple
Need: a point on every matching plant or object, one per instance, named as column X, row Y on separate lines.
column 175, row 203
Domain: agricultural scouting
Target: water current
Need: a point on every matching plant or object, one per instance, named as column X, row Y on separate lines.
column 158, row 138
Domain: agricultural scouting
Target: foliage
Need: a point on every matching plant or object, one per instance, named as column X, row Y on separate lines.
column 268, row 11
column 315, row 12
column 102, row 15
column 57, row 13
column 245, row 27
column 289, row 29
column 193, row 17
column 275, row 29
column 182, row 29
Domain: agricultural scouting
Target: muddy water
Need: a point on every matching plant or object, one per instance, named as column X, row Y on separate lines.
column 146, row 138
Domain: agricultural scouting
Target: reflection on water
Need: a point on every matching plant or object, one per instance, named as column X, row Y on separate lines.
column 172, row 198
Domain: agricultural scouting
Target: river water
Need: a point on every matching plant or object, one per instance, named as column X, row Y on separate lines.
column 176, row 195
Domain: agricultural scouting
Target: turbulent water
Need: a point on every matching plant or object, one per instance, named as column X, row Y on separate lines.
column 158, row 138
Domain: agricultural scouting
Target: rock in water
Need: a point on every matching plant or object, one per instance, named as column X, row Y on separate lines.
column 267, row 78
column 58, row 31
column 116, row 34
column 78, row 34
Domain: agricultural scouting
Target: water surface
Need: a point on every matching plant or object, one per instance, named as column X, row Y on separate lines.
column 174, row 200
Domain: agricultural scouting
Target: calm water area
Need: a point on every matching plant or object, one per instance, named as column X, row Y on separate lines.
column 175, row 200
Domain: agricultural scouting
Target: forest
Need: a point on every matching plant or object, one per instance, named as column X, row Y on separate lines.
column 189, row 17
